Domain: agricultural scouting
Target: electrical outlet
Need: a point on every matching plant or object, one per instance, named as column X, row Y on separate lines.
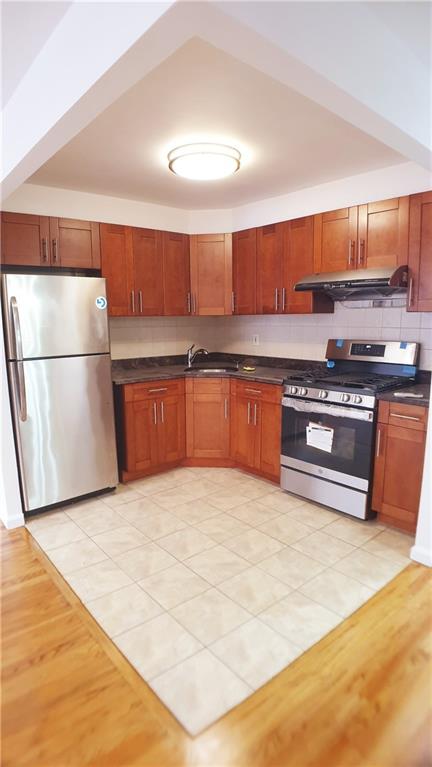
column 255, row 340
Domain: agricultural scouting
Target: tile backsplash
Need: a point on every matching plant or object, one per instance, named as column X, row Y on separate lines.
column 296, row 335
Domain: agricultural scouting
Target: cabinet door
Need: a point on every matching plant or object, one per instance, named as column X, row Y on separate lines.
column 141, row 435
column 335, row 238
column 148, row 271
column 244, row 271
column 117, row 268
column 420, row 253
column 74, row 243
column 269, row 268
column 298, row 261
column 176, row 275
column 383, row 233
column 403, row 471
column 208, row 424
column 269, row 422
column 171, row 429
column 25, row 240
column 380, row 459
column 246, row 443
column 211, row 273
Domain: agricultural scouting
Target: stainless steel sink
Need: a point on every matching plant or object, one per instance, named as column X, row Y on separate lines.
column 198, row 369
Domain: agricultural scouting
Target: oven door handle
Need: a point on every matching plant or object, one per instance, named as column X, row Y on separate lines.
column 320, row 407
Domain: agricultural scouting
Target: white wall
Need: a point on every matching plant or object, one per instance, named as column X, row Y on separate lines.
column 422, row 550
column 10, row 500
column 397, row 180
column 298, row 336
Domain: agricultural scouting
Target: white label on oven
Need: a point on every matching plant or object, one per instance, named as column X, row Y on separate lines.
column 319, row 436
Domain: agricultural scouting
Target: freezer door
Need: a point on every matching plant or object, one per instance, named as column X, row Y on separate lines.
column 55, row 315
column 64, row 424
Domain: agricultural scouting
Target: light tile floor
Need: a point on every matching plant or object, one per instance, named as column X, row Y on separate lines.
column 211, row 582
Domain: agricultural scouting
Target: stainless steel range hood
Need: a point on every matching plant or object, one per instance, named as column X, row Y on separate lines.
column 358, row 284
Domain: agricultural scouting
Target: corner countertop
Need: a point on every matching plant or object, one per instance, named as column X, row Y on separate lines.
column 267, row 369
column 261, row 374
column 419, row 388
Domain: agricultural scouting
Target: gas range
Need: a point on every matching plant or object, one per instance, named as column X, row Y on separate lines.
column 356, row 373
column 329, row 421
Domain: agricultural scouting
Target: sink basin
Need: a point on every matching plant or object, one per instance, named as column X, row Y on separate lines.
column 199, row 369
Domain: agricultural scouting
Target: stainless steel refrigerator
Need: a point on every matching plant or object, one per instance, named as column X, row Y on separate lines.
column 59, row 367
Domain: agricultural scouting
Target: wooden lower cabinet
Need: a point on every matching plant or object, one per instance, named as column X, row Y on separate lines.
column 153, row 421
column 207, row 418
column 256, row 427
column 399, row 458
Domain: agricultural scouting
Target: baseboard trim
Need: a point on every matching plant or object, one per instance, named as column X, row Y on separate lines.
column 422, row 555
column 16, row 521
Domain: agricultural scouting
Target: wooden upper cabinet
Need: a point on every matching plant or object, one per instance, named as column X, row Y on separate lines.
column 74, row 243
column 25, row 240
column 298, row 262
column 420, row 253
column 176, row 274
column 383, row 233
column 148, row 271
column 117, row 268
column 244, row 249
column 335, row 240
column 270, row 243
column 211, row 273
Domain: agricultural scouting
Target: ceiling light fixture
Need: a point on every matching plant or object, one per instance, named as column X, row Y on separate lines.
column 204, row 162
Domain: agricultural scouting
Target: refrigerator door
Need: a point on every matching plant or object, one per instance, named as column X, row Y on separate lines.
column 64, row 418
column 55, row 315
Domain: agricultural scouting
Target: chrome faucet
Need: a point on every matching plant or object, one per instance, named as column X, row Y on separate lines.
column 191, row 354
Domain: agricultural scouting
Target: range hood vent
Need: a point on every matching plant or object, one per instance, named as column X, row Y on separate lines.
column 358, row 284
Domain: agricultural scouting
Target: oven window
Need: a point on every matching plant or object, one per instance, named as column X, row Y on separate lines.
column 346, row 444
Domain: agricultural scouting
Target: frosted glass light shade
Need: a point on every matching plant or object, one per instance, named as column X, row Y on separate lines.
column 204, row 162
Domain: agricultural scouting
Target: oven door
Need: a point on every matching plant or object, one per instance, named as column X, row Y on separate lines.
column 330, row 441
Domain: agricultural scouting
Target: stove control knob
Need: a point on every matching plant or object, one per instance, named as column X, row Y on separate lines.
column 345, row 397
column 293, row 390
column 323, row 394
column 357, row 399
column 303, row 391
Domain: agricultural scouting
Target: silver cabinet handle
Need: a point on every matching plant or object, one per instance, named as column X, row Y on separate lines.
column 406, row 417
column 276, row 299
column 253, row 391
column 233, row 302
column 154, row 391
column 133, row 301
column 248, row 412
column 226, row 409
column 410, row 291
column 283, row 298
column 55, row 250
column 188, row 303
column 351, row 244
column 140, row 298
column 162, row 412
column 255, row 414
column 44, row 250
column 154, row 413
column 361, row 258
column 377, row 454
column 193, row 303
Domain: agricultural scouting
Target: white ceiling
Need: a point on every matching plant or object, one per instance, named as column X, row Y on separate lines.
column 288, row 141
column 25, row 29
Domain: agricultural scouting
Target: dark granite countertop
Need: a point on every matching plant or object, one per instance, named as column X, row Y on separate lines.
column 267, row 369
column 419, row 388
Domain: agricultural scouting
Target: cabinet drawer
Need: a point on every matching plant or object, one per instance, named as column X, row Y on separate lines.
column 408, row 416
column 151, row 389
column 207, row 385
column 255, row 390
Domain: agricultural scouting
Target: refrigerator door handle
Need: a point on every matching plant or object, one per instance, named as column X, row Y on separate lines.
column 17, row 341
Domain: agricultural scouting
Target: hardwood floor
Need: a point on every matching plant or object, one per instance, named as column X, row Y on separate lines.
column 361, row 696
